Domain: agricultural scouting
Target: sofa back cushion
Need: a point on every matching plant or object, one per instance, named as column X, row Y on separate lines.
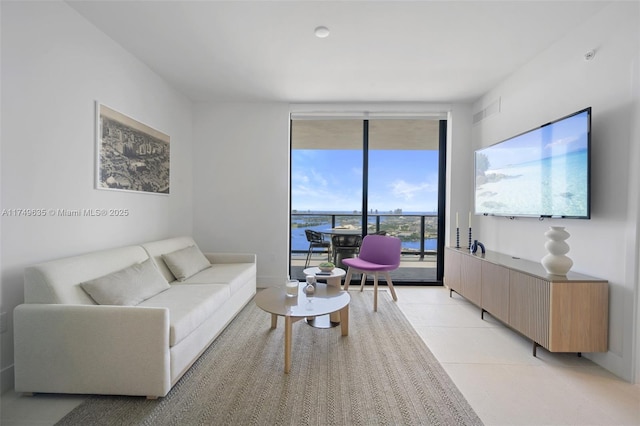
column 59, row 281
column 186, row 262
column 128, row 286
column 156, row 249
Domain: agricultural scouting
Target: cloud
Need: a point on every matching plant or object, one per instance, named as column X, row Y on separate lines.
column 309, row 178
column 406, row 191
column 318, row 178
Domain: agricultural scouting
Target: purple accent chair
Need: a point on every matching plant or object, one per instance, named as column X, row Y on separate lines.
column 378, row 254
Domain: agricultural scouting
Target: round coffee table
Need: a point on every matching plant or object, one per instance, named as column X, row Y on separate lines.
column 325, row 300
column 334, row 278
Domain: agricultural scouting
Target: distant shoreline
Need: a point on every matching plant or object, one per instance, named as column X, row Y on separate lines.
column 351, row 213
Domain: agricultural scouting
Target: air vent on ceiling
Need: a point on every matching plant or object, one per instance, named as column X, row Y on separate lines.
column 492, row 108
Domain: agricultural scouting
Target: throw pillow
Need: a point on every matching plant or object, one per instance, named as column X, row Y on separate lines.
column 129, row 286
column 186, row 262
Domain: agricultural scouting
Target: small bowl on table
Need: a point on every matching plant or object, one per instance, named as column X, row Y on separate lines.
column 326, row 268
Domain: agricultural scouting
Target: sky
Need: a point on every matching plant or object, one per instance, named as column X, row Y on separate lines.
column 331, row 180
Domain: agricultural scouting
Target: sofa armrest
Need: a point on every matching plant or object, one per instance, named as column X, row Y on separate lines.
column 92, row 349
column 231, row 257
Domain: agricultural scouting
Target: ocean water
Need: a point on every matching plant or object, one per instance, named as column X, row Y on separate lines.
column 299, row 239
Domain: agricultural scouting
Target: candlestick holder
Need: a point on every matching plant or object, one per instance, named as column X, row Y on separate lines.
column 457, row 237
column 470, row 243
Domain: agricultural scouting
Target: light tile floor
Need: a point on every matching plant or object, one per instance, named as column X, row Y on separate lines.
column 491, row 365
column 494, row 369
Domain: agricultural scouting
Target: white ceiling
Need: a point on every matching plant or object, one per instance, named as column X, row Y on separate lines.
column 378, row 51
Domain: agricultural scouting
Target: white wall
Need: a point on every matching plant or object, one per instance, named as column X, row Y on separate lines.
column 54, row 66
column 459, row 173
column 556, row 83
column 634, row 203
column 241, row 178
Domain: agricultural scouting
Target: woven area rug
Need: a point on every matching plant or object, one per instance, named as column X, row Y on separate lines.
column 381, row 374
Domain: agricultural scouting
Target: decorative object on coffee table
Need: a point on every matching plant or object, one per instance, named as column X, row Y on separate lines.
column 326, row 266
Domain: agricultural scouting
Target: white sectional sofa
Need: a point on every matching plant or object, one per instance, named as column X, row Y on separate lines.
column 148, row 328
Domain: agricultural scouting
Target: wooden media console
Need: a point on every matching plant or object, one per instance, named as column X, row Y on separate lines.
column 560, row 313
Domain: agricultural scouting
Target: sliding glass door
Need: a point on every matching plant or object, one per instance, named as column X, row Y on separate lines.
column 384, row 174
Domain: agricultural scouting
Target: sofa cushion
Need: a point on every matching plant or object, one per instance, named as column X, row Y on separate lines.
column 189, row 306
column 128, row 286
column 156, row 249
column 233, row 274
column 186, row 262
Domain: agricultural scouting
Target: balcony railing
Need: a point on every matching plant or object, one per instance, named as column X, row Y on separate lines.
column 418, row 232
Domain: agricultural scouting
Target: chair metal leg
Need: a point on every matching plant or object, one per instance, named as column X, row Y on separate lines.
column 306, row 263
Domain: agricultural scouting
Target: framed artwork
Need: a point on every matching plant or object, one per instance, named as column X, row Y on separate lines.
column 130, row 156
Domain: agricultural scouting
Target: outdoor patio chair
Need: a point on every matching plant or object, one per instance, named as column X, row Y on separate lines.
column 316, row 240
column 344, row 246
column 378, row 254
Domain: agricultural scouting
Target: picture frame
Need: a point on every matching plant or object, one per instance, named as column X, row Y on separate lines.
column 130, row 156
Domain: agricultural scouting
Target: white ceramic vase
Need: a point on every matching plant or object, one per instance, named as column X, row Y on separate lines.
column 556, row 263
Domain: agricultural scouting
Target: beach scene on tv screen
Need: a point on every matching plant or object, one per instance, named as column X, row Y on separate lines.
column 540, row 173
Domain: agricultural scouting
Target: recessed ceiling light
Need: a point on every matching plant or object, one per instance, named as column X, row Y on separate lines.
column 321, row 32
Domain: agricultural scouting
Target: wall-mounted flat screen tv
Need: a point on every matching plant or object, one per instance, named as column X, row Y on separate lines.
column 544, row 172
